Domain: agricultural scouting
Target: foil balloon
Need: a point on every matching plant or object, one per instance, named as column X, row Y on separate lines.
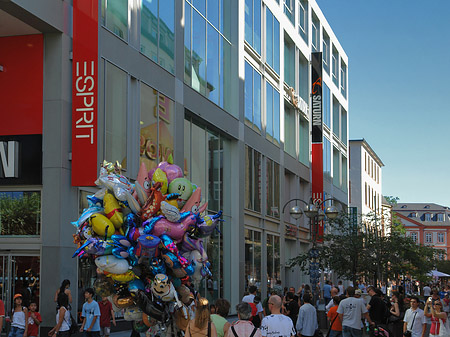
column 193, row 203
column 160, row 177
column 94, row 246
column 147, row 245
column 154, row 309
column 143, row 191
column 157, row 266
column 172, row 171
column 153, row 204
column 170, row 212
column 139, row 325
column 112, row 264
column 183, row 187
column 112, row 210
column 207, row 225
column 135, row 285
column 131, row 220
column 103, row 286
column 162, row 288
column 87, row 212
column 160, row 225
column 101, row 225
column 122, row 278
column 132, row 313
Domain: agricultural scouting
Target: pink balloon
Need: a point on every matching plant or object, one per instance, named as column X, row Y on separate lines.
column 173, row 171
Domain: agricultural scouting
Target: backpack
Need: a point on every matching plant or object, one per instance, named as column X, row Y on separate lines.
column 73, row 326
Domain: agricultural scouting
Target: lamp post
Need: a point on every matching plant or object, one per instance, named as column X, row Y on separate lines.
column 314, row 211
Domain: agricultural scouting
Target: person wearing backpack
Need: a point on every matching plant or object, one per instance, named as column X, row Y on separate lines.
column 243, row 327
column 63, row 320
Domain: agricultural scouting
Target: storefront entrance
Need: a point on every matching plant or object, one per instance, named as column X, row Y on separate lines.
column 19, row 273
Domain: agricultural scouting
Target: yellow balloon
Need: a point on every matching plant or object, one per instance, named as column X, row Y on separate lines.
column 101, row 224
column 123, row 278
column 160, row 176
column 113, row 210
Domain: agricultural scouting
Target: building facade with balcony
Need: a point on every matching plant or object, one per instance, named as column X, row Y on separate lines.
column 427, row 224
column 222, row 86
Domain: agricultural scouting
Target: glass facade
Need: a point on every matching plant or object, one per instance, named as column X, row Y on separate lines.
column 207, row 51
column 326, row 52
column 158, row 32
column 326, row 158
column 290, row 136
column 156, row 127
column 252, row 97
column 303, row 89
column 303, row 19
column 253, row 24
column 303, row 153
column 335, row 67
column 273, row 188
column 252, row 179
column 116, row 106
column 115, row 17
column 289, row 10
column 336, row 119
column 336, row 169
column 253, row 254
column 326, row 105
column 273, row 260
column 20, row 213
column 343, row 126
column 315, row 33
column 289, row 62
column 272, row 41
column 272, row 114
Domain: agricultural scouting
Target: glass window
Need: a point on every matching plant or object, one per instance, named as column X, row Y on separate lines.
column 116, row 115
column 344, row 79
column 303, row 90
column 344, row 173
column 200, row 5
column 414, row 236
column 303, row 153
column 157, row 127
column 252, row 97
column 289, row 62
column 335, row 67
column 289, row 10
column 440, row 217
column 187, row 42
column 428, row 237
column 253, row 24
column 252, row 179
column 336, row 121
column 20, row 213
column 326, row 52
column 441, row 237
column 326, row 105
column 344, row 127
column 213, row 12
column 273, row 188
column 272, row 41
column 336, row 168
column 273, row 260
column 303, row 19
column 315, row 33
column 427, row 216
column 199, row 53
column 272, row 114
column 158, row 32
column 115, row 17
column 326, row 158
column 252, row 258
column 289, row 131
column 212, row 85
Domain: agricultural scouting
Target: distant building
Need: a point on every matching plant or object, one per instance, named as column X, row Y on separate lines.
column 426, row 223
column 365, row 179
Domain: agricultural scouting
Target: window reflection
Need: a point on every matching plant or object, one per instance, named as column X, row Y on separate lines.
column 20, row 213
column 252, row 258
column 115, row 17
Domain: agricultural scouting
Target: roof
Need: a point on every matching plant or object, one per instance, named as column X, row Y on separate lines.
column 419, row 206
column 368, row 148
column 415, row 213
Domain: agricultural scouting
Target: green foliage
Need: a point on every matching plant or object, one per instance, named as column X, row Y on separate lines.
column 20, row 215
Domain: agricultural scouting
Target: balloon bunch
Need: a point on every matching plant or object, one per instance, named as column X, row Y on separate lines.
column 147, row 242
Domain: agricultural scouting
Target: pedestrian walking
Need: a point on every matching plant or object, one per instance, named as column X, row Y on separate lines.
column 243, row 327
column 91, row 315
column 426, row 292
column 250, row 298
column 351, row 310
column 330, row 304
column 327, row 292
column 106, row 314
column 62, row 327
column 376, row 307
column 64, row 288
column 291, row 307
column 437, row 316
column 34, row 319
column 19, row 326
column 201, row 326
column 415, row 323
column 276, row 324
column 219, row 318
column 333, row 318
column 307, row 318
column 397, row 312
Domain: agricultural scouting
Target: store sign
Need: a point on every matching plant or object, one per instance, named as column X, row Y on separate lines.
column 84, row 92
column 21, row 160
column 291, row 230
column 297, row 101
column 317, row 137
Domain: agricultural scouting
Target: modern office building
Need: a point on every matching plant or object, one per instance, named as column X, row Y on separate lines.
column 365, row 195
column 427, row 224
column 223, row 86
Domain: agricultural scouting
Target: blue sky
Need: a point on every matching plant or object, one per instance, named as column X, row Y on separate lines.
column 399, row 73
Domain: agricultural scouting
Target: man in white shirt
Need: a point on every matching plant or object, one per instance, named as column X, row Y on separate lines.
column 334, row 292
column 426, row 292
column 250, row 299
column 414, row 320
column 351, row 310
column 276, row 325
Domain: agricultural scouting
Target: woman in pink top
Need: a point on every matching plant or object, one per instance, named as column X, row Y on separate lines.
column 434, row 310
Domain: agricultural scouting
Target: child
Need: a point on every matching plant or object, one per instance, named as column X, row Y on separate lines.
column 34, row 319
column 19, row 327
column 106, row 313
column 91, row 315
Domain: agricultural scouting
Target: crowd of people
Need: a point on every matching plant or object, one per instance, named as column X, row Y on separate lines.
column 287, row 312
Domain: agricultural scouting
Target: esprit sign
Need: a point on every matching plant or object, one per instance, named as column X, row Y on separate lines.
column 9, row 155
column 84, row 92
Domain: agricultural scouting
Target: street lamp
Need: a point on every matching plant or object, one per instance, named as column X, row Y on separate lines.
column 314, row 211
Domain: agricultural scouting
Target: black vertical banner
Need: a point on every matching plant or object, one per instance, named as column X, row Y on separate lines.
column 316, row 97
